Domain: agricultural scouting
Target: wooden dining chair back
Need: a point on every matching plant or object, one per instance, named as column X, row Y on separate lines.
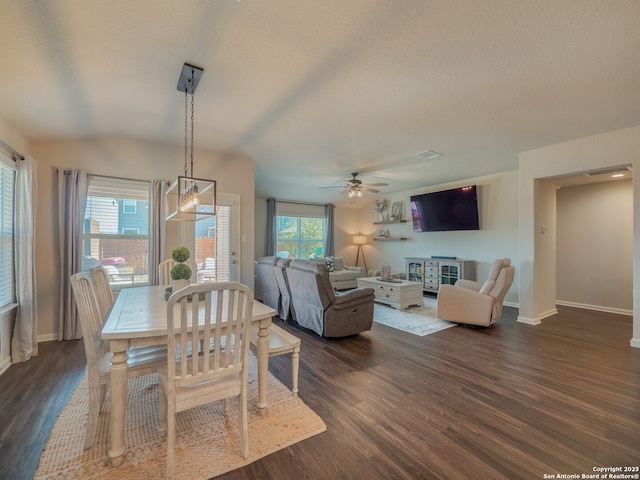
column 164, row 271
column 195, row 376
column 104, row 295
column 142, row 360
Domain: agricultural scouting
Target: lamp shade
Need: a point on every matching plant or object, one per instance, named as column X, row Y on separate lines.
column 359, row 239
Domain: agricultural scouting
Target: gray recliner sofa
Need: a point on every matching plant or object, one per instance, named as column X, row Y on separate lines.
column 286, row 309
column 318, row 308
column 268, row 284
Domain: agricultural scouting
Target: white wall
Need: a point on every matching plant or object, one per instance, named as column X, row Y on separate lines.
column 129, row 158
column 595, row 246
column 497, row 237
column 537, row 265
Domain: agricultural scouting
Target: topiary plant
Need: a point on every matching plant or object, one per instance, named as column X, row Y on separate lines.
column 180, row 254
column 181, row 271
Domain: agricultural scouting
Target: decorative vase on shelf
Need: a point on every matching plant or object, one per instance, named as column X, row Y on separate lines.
column 381, row 217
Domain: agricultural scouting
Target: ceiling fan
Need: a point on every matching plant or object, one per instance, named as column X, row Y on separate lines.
column 355, row 187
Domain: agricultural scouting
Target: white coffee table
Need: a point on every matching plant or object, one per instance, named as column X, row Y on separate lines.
column 400, row 294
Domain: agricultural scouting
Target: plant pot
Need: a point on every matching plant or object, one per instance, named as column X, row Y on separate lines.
column 180, row 284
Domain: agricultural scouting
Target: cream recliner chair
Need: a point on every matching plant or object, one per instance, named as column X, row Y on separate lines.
column 473, row 303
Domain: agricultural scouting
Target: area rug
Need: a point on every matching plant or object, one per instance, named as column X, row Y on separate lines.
column 206, row 445
column 419, row 320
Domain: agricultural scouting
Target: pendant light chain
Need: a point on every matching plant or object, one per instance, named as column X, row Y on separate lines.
column 192, row 103
column 186, row 130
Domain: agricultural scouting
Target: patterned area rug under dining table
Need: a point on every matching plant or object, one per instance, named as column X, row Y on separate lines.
column 206, row 444
column 419, row 320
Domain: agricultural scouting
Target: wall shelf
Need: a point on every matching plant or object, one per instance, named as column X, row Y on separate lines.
column 391, row 239
column 389, row 222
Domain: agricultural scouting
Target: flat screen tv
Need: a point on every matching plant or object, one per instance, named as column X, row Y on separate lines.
column 455, row 209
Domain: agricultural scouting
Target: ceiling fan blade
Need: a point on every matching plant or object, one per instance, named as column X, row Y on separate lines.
column 372, row 190
column 376, row 184
column 337, row 186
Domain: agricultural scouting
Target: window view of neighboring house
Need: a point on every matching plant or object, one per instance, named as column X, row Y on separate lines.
column 299, row 237
column 116, row 229
column 7, row 181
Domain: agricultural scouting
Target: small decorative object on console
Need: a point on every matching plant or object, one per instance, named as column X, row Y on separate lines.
column 385, row 271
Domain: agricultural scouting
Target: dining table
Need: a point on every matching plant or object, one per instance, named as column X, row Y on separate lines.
column 139, row 318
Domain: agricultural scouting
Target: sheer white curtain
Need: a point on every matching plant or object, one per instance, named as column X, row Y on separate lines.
column 157, row 224
column 72, row 198
column 24, row 342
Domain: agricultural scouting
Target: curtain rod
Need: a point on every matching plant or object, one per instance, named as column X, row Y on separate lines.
column 67, row 171
column 300, row 203
column 13, row 152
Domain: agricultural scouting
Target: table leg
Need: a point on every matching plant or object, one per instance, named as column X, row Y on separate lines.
column 118, row 378
column 263, row 361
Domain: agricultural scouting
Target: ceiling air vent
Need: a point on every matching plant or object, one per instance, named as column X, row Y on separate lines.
column 608, row 171
column 429, row 154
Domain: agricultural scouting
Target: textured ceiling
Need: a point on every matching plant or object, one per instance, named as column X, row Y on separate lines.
column 315, row 90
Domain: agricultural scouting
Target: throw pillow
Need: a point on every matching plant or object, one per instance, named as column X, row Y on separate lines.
column 331, row 266
column 338, row 263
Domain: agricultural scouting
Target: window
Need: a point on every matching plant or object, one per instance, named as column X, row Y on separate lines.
column 7, row 182
column 116, row 229
column 129, row 206
column 301, row 237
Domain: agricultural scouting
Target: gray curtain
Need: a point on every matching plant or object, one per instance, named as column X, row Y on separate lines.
column 72, row 198
column 271, row 226
column 329, row 246
column 157, row 224
column 24, row 342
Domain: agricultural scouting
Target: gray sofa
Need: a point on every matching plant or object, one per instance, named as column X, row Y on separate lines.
column 316, row 306
column 341, row 276
column 268, row 284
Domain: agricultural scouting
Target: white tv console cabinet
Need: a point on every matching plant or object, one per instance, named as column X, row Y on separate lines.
column 433, row 272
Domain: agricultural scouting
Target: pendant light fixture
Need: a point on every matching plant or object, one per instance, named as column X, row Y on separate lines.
column 190, row 199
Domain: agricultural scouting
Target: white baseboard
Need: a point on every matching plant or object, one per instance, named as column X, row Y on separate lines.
column 5, row 364
column 49, row 337
column 538, row 319
column 635, row 342
column 598, row 308
column 511, row 304
column 528, row 321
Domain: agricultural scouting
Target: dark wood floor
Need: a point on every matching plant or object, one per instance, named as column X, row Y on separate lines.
column 511, row 402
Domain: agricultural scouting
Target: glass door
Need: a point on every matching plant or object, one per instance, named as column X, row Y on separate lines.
column 217, row 242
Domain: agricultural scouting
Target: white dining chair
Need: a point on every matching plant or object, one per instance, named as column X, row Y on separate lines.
column 224, row 310
column 104, row 295
column 142, row 360
column 164, row 271
column 281, row 342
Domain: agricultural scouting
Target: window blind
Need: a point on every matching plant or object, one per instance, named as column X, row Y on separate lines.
column 7, row 182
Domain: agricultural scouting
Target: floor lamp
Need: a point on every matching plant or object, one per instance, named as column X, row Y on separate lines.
column 360, row 240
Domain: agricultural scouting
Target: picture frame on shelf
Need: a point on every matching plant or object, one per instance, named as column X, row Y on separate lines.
column 397, row 211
